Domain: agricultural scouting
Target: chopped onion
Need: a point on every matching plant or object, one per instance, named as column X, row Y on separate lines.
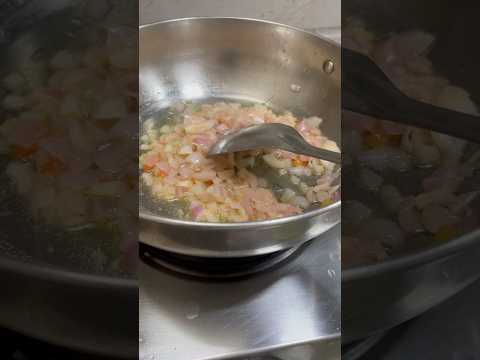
column 205, row 175
column 271, row 160
column 435, row 217
column 409, row 220
column 300, row 201
column 426, row 155
column 300, row 171
column 287, row 195
column 196, row 210
column 458, row 99
column 391, row 198
column 196, row 158
column 384, row 158
column 370, row 180
column 354, row 213
column 185, row 150
column 313, row 122
column 463, row 201
column 384, row 231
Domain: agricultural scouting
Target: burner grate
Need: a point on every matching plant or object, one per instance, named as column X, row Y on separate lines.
column 214, row 268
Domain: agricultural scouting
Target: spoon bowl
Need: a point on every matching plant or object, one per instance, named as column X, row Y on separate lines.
column 270, row 136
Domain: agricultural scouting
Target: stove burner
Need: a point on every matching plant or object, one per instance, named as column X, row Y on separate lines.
column 213, row 268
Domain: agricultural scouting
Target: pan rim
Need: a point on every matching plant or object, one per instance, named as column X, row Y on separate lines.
column 411, row 260
column 239, row 19
column 51, row 273
column 239, row 225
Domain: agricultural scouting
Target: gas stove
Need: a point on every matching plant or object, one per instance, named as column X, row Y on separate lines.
column 293, row 304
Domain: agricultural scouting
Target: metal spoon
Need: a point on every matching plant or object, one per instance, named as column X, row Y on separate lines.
column 367, row 90
column 271, row 136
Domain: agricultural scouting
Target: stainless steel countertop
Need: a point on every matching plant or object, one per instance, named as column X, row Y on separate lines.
column 299, row 302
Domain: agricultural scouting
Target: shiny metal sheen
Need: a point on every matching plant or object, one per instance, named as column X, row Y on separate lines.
column 270, row 136
column 202, row 59
column 297, row 303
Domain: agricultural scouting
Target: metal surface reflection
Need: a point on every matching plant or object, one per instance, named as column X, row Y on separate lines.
column 189, row 319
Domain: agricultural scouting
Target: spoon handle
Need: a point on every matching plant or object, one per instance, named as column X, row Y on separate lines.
column 323, row 154
column 367, row 90
column 298, row 145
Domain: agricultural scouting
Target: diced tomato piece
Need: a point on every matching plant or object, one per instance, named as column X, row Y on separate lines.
column 22, row 152
column 160, row 173
column 52, row 167
column 446, row 233
column 374, row 140
column 150, row 161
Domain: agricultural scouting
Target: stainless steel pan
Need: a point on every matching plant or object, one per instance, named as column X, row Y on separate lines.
column 203, row 59
column 55, row 296
column 380, row 296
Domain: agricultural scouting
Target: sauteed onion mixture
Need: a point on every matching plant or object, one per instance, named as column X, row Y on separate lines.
column 69, row 131
column 247, row 186
column 407, row 187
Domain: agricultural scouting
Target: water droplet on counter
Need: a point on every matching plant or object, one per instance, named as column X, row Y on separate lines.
column 333, row 256
column 295, row 88
column 192, row 311
column 328, row 66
